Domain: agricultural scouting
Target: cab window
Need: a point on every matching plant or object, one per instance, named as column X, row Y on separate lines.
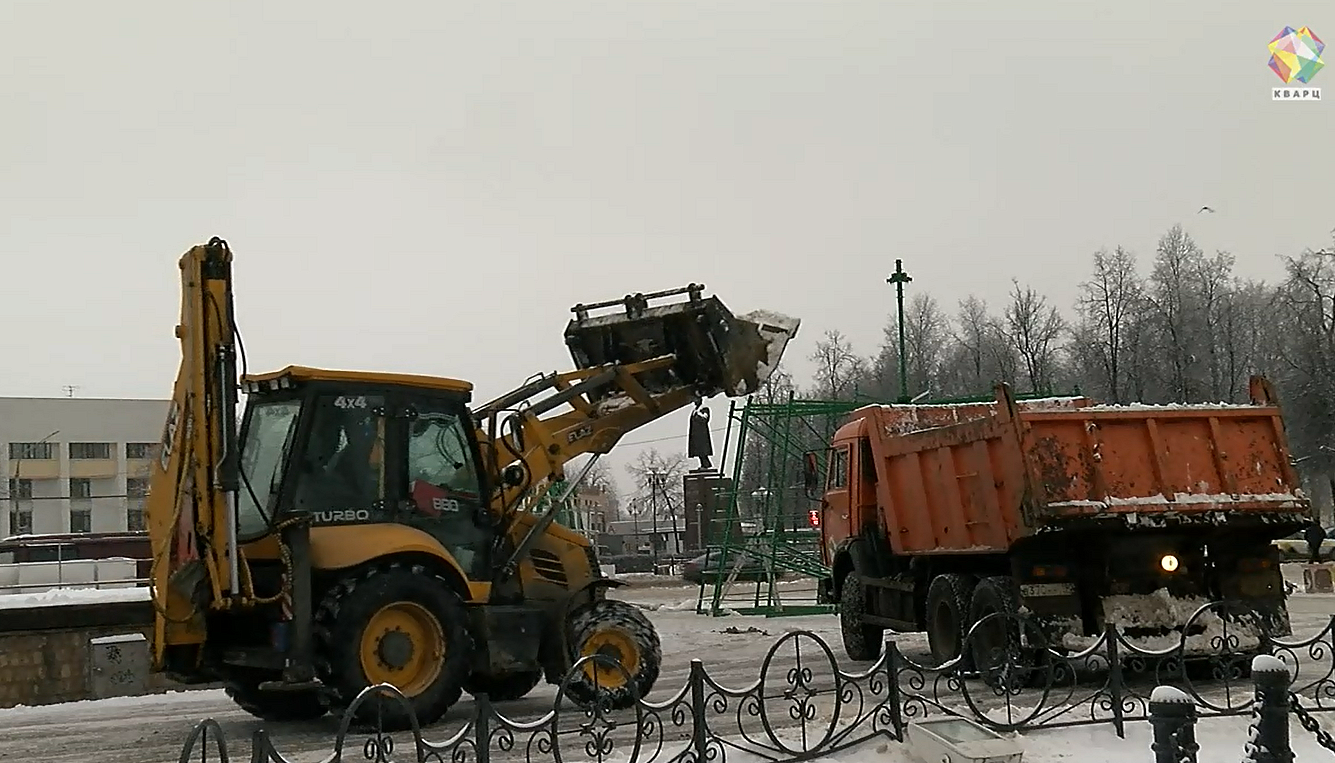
column 343, row 465
column 838, row 477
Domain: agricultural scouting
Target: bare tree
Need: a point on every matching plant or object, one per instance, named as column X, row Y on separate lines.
column 1214, row 292
column 1176, row 311
column 926, row 333
column 1106, row 304
column 1034, row 327
column 838, row 368
column 600, row 478
column 657, row 478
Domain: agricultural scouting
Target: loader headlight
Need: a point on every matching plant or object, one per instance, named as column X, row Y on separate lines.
column 1169, row 563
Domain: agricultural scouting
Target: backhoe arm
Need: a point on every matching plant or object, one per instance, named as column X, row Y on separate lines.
column 190, row 510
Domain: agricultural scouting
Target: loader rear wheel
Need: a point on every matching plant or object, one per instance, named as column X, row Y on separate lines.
column 948, row 616
column 276, row 706
column 862, row 642
column 399, row 626
column 505, row 688
column 618, row 630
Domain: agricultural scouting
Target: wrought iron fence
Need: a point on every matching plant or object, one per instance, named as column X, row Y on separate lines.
column 803, row 705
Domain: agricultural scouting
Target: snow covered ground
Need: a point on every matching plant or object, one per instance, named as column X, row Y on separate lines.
column 1220, row 739
column 152, row 729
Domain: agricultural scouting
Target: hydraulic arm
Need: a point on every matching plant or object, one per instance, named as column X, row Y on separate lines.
column 194, row 481
column 634, row 367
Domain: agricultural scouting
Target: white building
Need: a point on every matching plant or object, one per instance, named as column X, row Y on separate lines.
column 76, row 464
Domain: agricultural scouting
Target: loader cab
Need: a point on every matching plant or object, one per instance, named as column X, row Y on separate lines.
column 345, row 448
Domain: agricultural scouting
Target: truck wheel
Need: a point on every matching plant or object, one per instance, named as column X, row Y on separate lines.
column 948, row 600
column 276, row 706
column 622, row 632
column 399, row 626
column 862, row 642
column 997, row 648
column 506, row 688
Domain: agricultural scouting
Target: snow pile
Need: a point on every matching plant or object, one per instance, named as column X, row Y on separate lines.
column 1169, row 695
column 1162, row 610
column 1165, row 406
column 1219, row 739
column 66, row 596
column 613, row 404
column 1160, row 501
column 777, row 329
column 1266, row 663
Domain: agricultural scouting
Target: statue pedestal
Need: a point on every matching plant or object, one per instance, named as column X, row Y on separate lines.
column 707, row 494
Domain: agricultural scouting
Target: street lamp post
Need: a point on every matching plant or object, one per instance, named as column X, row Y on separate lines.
column 899, row 278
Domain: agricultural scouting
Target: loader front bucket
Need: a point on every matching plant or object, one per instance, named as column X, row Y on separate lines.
column 715, row 350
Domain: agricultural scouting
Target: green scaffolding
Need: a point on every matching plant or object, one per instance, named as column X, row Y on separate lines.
column 766, row 508
column 768, row 553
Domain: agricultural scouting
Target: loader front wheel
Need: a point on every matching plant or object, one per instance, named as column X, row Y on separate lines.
column 618, row 630
column 399, row 626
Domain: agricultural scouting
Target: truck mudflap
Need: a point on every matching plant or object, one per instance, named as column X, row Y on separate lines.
column 715, row 351
column 1160, row 621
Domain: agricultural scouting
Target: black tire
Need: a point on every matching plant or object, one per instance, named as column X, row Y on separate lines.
column 998, row 648
column 862, row 642
column 506, row 688
column 948, row 601
column 611, row 627
column 277, row 706
column 342, row 622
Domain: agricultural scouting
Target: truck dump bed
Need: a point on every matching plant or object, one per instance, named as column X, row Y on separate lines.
column 974, row 478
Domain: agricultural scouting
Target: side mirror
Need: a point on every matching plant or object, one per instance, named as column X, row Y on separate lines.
column 810, row 474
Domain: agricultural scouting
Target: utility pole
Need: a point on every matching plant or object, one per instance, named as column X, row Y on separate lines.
column 653, row 511
column 899, row 278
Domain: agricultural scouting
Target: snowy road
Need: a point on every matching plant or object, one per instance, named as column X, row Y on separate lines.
column 152, row 729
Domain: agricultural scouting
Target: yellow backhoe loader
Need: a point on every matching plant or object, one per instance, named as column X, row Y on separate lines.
column 355, row 528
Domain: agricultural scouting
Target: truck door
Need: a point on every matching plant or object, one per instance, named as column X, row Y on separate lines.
column 835, row 525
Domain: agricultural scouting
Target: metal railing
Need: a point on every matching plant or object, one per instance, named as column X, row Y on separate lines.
column 803, row 705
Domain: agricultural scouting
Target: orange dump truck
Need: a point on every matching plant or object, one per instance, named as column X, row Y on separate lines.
column 1074, row 514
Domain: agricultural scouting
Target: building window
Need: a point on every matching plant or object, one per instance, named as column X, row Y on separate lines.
column 20, row 521
column 139, row 450
column 32, row 451
column 81, row 505
column 90, row 451
column 20, row 506
column 20, row 489
column 136, row 488
column 80, row 488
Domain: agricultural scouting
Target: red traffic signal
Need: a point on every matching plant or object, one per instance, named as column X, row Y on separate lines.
column 813, row 516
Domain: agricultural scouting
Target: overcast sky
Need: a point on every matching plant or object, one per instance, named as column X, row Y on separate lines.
column 428, row 187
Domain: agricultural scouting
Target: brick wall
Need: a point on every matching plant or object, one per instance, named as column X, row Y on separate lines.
column 50, row 666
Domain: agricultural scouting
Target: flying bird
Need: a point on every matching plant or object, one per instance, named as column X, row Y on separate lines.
column 1205, row 209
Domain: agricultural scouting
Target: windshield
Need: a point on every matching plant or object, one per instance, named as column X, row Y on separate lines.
column 262, row 455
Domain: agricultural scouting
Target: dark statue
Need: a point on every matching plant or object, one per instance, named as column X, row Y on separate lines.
column 698, row 443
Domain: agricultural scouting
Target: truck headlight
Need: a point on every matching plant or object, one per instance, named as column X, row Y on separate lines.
column 1169, row 563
